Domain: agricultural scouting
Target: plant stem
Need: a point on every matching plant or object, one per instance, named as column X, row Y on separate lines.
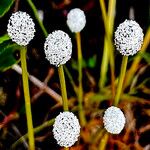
column 103, row 142
column 63, row 87
column 80, row 89
column 27, row 99
column 110, row 46
column 104, row 65
column 36, row 130
column 34, row 9
column 105, row 58
column 71, row 80
column 121, row 80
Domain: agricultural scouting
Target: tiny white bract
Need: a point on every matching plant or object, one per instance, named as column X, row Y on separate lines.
column 66, row 129
column 129, row 37
column 76, row 20
column 21, row 28
column 114, row 120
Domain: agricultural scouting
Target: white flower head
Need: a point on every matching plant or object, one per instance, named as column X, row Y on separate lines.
column 58, row 48
column 66, row 129
column 20, row 28
column 129, row 37
column 76, row 20
column 114, row 120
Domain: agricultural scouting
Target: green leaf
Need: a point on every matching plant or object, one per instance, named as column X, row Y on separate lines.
column 92, row 62
column 74, row 64
column 5, row 6
column 146, row 56
column 7, row 55
column 4, row 38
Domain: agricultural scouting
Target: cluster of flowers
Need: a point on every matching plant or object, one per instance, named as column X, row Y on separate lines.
column 58, row 50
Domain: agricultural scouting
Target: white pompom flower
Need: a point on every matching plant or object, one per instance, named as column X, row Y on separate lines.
column 58, row 48
column 76, row 20
column 114, row 120
column 129, row 37
column 66, row 129
column 21, row 28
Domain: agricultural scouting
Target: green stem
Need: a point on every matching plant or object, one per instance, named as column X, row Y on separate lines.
column 121, row 80
column 110, row 46
column 36, row 130
column 105, row 58
column 34, row 9
column 103, row 142
column 80, row 89
column 104, row 65
column 27, row 99
column 71, row 79
column 63, row 87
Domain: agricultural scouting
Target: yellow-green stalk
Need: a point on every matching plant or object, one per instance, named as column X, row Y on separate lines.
column 63, row 87
column 27, row 99
column 121, row 80
column 110, row 46
column 80, row 89
column 105, row 57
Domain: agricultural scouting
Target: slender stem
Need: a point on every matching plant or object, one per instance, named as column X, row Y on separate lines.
column 27, row 99
column 80, row 89
column 104, row 65
column 36, row 130
column 111, row 49
column 63, row 87
column 103, row 142
column 105, row 57
column 34, row 9
column 71, row 79
column 121, row 80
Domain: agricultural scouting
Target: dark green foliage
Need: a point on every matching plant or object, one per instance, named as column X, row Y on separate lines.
column 7, row 54
column 5, row 6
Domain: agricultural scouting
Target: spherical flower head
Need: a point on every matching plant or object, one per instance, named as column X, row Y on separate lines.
column 66, row 129
column 76, row 20
column 129, row 37
column 20, row 28
column 58, row 48
column 114, row 120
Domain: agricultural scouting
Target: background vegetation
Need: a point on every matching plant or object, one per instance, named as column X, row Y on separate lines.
column 97, row 76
